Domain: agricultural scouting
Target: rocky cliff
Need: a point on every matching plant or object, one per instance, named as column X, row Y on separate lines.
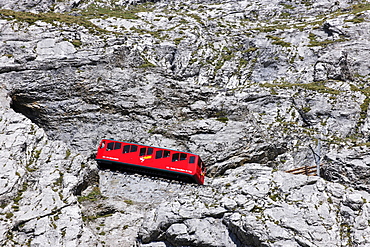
column 255, row 87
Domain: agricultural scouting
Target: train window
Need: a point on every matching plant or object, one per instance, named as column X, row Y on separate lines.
column 146, row 151
column 110, row 146
column 175, row 157
column 117, row 145
column 142, row 151
column 162, row 154
column 192, row 159
column 126, row 149
column 201, row 164
column 183, row 156
column 102, row 145
column 113, row 146
column 159, row 154
column 129, row 149
column 133, row 148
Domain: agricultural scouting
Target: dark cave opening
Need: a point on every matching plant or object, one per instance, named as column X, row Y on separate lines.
column 23, row 104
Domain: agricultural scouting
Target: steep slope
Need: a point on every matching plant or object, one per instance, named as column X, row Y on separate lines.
column 255, row 88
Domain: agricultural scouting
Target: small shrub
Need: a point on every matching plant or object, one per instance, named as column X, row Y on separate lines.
column 76, row 43
column 9, row 215
column 129, row 202
column 68, row 153
column 94, row 195
column 222, row 119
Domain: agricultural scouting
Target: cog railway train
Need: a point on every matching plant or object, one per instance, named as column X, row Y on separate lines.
column 151, row 160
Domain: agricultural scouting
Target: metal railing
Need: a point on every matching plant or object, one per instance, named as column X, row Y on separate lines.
column 306, row 170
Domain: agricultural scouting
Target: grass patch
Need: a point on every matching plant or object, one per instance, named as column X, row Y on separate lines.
column 282, row 43
column 287, row 6
column 178, row 40
column 59, row 180
column 129, row 202
column 251, row 49
column 20, row 193
column 92, row 12
column 313, row 86
column 313, row 41
column 357, row 8
column 95, row 11
column 222, row 119
column 94, row 217
column 197, row 18
column 68, row 153
column 49, row 17
column 365, row 104
column 9, row 215
column 356, row 20
column 77, row 43
column 93, row 196
column 278, row 41
column 147, row 65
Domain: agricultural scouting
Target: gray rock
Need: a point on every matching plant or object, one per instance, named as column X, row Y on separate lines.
column 255, row 88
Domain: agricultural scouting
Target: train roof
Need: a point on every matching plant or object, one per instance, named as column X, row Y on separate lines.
column 111, row 139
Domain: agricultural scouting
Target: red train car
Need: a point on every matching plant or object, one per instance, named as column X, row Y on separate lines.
column 159, row 161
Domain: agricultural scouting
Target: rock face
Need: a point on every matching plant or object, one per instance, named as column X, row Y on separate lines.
column 255, row 88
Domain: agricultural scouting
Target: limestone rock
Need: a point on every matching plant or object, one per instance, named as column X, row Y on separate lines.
column 256, row 88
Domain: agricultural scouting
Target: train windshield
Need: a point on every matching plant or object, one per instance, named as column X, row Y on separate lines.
column 201, row 165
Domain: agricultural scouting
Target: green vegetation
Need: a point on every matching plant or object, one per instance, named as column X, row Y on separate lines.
column 93, row 196
column 92, row 12
column 278, row 41
column 35, row 155
column 59, row 180
column 49, row 17
column 356, row 20
column 266, row 29
column 282, row 43
column 306, row 2
column 9, row 215
column 77, row 43
column 251, row 49
column 287, row 6
column 357, row 8
column 306, row 109
column 20, row 194
column 178, row 40
column 129, row 202
column 68, row 153
column 221, row 116
column 329, row 200
column 345, row 232
column 274, row 194
column 146, row 65
column 313, row 86
column 197, row 18
column 226, row 54
column 223, row 119
column 94, row 217
column 257, row 209
column 95, row 11
column 313, row 42
column 365, row 104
